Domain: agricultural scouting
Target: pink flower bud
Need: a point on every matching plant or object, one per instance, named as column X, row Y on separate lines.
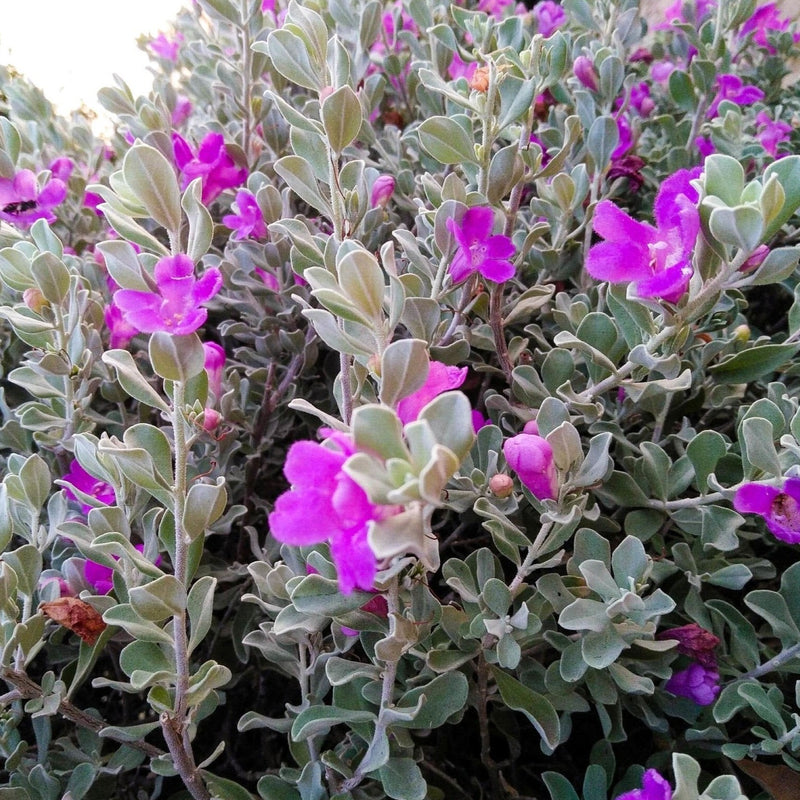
column 756, row 258
column 501, row 485
column 586, row 73
column 382, row 191
column 531, row 457
column 34, row 299
column 214, row 364
column 210, row 420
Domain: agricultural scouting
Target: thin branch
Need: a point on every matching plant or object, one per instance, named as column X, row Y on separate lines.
column 27, row 689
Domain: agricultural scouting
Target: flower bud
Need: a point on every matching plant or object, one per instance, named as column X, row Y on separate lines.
column 209, row 420
column 756, row 258
column 34, row 299
column 586, row 73
column 382, row 191
column 741, row 333
column 531, row 457
column 480, row 80
column 501, row 485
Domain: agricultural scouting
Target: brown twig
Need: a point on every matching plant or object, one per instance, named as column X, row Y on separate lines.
column 27, row 689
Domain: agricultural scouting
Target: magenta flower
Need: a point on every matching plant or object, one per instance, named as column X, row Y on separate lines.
column 121, row 331
column 62, row 168
column 183, row 107
column 531, row 457
column 700, row 684
column 654, row 787
column 641, row 100
column 101, row 578
column 494, row 8
column 166, row 48
column 549, row 17
column 211, row 163
column 214, row 364
column 340, row 509
column 657, row 259
column 248, row 221
column 695, row 642
column 765, row 19
column 779, row 507
column 730, row 87
column 441, row 378
column 22, row 202
column 176, row 307
column 478, row 250
column 586, row 73
column 461, row 69
column 80, row 479
column 704, row 146
column 771, row 132
column 382, row 191
column 676, row 13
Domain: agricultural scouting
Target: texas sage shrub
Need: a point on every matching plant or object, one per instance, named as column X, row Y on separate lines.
column 402, row 403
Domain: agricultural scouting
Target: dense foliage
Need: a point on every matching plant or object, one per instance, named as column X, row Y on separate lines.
column 403, row 404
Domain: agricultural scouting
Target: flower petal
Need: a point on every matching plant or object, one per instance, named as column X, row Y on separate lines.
column 614, row 225
column 755, row 498
column 618, row 262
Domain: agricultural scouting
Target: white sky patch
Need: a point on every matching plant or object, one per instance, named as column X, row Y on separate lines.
column 71, row 48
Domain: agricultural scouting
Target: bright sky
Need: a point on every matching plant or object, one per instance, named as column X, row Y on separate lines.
column 71, row 48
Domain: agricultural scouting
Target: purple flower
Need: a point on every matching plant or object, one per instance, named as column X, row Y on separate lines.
column 80, row 479
column 441, row 378
column 478, row 250
column 698, row 683
column 214, row 364
column 494, row 8
column 654, row 787
column 248, row 221
column 676, row 13
column 211, row 163
column 176, row 307
column 641, row 100
column 101, row 578
column 121, row 331
column 62, row 168
column 779, row 507
column 765, row 19
column 730, row 87
column 382, row 191
column 461, row 69
column 166, row 48
column 771, row 132
column 549, row 17
column 22, row 202
column 656, row 259
column 531, row 457
column 586, row 73
column 340, row 509
column 661, row 70
column 704, row 146
column 183, row 107
column 695, row 642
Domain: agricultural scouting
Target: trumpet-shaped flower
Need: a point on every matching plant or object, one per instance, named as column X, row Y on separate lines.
column 80, row 479
column 165, row 47
column 531, row 457
column 326, row 504
column 22, row 202
column 214, row 365
column 657, row 259
column 176, row 307
column 441, row 378
column 731, row 87
column 654, row 787
column 765, row 19
column 211, row 163
column 478, row 250
column 779, row 507
column 549, row 17
column 101, row 578
column 697, row 682
column 695, row 642
column 248, row 221
column 771, row 132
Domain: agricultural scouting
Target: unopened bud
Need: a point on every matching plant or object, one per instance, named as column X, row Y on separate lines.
column 382, row 191
column 480, row 80
column 741, row 333
column 586, row 73
column 209, row 420
column 501, row 485
column 325, row 91
column 34, row 299
column 756, row 258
